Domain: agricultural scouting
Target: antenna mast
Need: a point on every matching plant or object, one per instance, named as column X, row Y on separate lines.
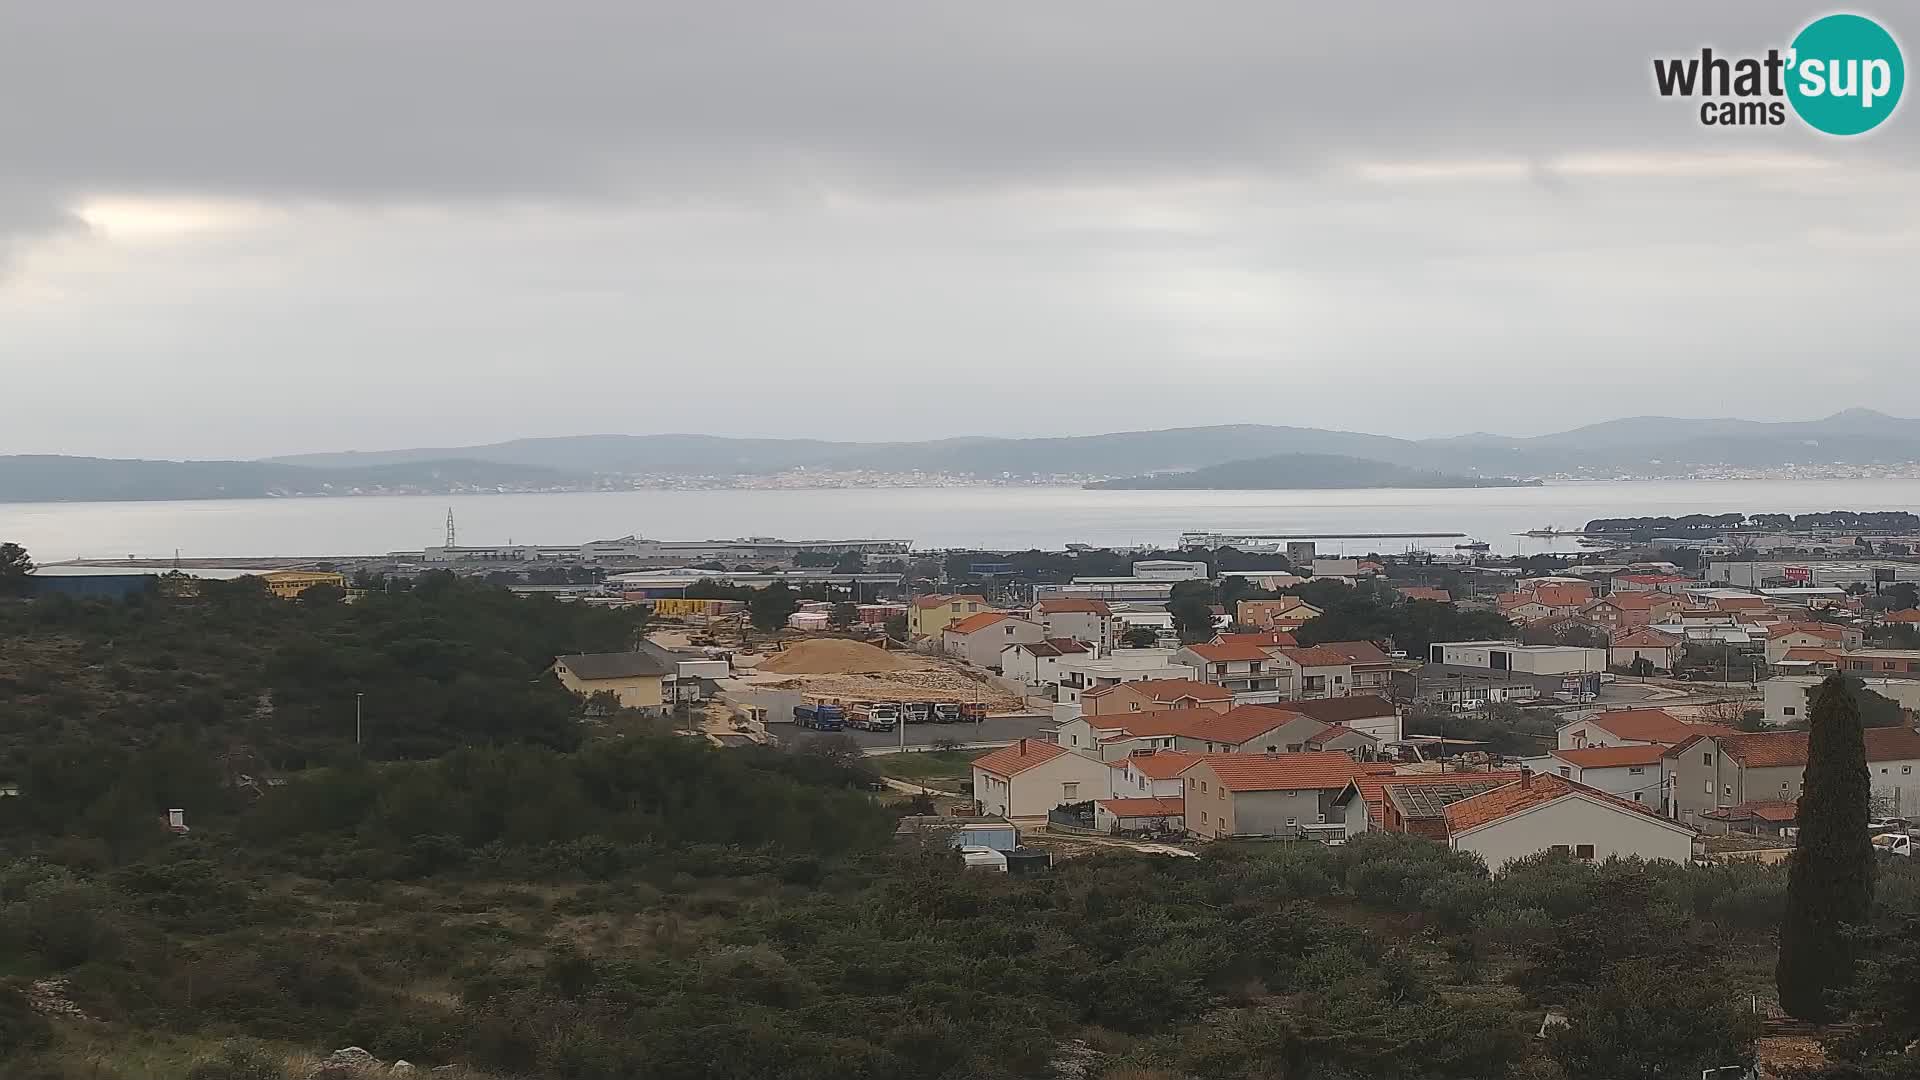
column 450, row 535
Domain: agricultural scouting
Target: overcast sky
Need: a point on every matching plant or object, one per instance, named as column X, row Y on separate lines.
column 233, row 229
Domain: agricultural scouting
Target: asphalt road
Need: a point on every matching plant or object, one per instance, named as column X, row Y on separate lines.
column 995, row 729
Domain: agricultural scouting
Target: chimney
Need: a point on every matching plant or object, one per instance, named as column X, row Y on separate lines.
column 1023, row 747
column 1526, row 777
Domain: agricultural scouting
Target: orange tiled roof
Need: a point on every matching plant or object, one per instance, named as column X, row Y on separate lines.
column 1011, row 761
column 1612, row 757
column 1268, row 638
column 1332, row 732
column 975, row 623
column 1160, row 764
column 934, row 600
column 1766, row 810
column 1782, row 749
column 1066, row 605
column 1373, row 787
column 1168, row 690
column 1820, row 630
column 1813, row 653
column 1563, row 595
column 1645, row 637
column 1052, row 647
column 1317, row 656
column 1164, row 806
column 1220, row 654
column 1909, row 615
column 1637, row 600
column 1340, row 710
column 1526, row 793
column 1356, row 652
column 1282, row 772
column 1653, row 725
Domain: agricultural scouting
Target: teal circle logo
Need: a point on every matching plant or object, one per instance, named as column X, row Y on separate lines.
column 1845, row 74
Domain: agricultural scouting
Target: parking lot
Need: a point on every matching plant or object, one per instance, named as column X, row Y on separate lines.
column 995, row 729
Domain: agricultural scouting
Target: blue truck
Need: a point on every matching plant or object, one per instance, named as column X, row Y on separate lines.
column 820, row 717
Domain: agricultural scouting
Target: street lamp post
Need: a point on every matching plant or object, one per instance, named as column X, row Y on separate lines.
column 357, row 696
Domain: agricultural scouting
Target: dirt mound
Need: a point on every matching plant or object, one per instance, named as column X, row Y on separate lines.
column 833, row 656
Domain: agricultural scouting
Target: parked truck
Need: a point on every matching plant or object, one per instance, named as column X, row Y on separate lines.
column 946, row 712
column 820, row 717
column 917, row 712
column 973, row 712
column 875, row 716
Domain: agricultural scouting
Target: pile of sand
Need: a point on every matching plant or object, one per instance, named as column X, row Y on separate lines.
column 833, row 656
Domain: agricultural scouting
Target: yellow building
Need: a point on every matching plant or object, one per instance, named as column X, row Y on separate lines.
column 289, row 584
column 636, row 679
column 933, row 613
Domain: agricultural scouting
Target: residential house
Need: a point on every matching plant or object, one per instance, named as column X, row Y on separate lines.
column 1881, row 662
column 1796, row 635
column 1087, row 672
column 1148, row 815
column 1372, row 715
column 1339, row 738
column 1252, row 674
column 1632, row 727
column 638, row 679
column 1422, row 592
column 1414, row 804
column 1522, row 607
column 1633, row 772
column 1552, row 813
column 1265, row 639
column 1090, row 621
column 979, row 639
column 1324, row 670
column 1371, row 669
column 1149, row 695
column 1770, row 818
column 1807, row 661
column 1784, row 697
column 1243, row 729
column 1629, row 647
column 1150, row 773
column 1626, row 610
column 1285, row 613
column 1715, row 772
column 934, row 612
column 1265, row 794
column 1031, row 777
column 1037, row 663
column 1668, row 583
column 1904, row 617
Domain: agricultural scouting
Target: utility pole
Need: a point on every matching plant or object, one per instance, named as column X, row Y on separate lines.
column 357, row 696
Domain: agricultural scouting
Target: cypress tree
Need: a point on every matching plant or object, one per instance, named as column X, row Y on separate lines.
column 1830, row 882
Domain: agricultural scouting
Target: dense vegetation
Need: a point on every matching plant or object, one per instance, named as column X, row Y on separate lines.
column 1830, row 887
column 1375, row 612
column 1647, row 527
column 435, row 663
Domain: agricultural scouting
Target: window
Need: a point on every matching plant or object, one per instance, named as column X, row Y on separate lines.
column 1561, row 849
column 1709, row 786
column 1223, row 794
column 1706, row 758
column 1203, row 786
column 1637, row 795
column 1289, row 823
column 1727, row 791
column 1788, row 710
column 1203, row 817
column 1566, row 772
column 1635, row 770
column 1584, row 851
column 1070, row 792
column 1906, row 770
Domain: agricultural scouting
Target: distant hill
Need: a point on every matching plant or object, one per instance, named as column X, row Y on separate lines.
column 1312, row 471
column 52, row 478
column 1633, row 444
column 1637, row 446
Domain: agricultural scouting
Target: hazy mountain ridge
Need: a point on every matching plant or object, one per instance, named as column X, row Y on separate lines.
column 52, row 478
column 1642, row 445
column 1282, row 472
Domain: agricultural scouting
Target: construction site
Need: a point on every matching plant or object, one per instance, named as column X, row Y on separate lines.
column 853, row 672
